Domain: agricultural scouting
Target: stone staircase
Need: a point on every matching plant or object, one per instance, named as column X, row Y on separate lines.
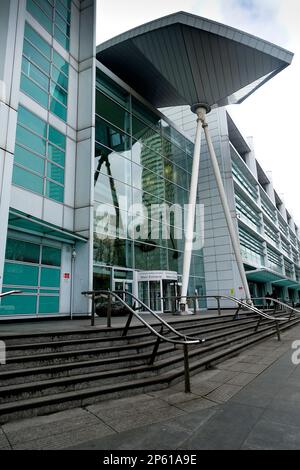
column 57, row 370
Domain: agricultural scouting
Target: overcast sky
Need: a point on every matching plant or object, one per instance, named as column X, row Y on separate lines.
column 271, row 114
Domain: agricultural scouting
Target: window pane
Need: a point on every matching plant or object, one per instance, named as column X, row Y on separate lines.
column 19, row 250
column 39, row 15
column 61, row 38
column 57, row 138
column 20, row 274
column 18, row 305
column 51, row 256
column 34, row 91
column 54, row 191
column 61, row 8
column 32, row 121
column 111, row 137
column 50, row 277
column 58, row 109
column 112, row 112
column 56, row 155
column 48, row 304
column 63, row 25
column 27, row 180
column 37, row 40
column 33, row 72
column 25, row 137
column 60, row 63
column 35, row 56
column 59, row 93
column 29, row 160
column 55, row 173
column 59, row 77
column 47, row 7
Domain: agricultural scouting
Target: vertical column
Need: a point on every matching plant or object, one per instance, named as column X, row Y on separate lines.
column 12, row 17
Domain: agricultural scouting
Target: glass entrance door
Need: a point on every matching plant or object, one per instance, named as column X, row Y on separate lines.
column 122, row 286
column 169, row 292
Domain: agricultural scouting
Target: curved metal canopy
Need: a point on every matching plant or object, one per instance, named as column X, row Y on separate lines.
column 185, row 59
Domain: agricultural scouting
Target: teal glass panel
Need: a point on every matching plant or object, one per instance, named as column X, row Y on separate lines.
column 62, row 24
column 59, row 77
column 55, row 173
column 112, row 112
column 47, row 7
column 27, row 180
column 50, row 277
column 58, row 109
column 18, row 305
column 32, row 54
column 37, row 40
column 59, row 93
column 66, row 3
column 60, row 63
column 61, row 38
column 32, row 141
column 34, row 91
column 54, row 191
column 48, row 304
column 56, row 155
column 17, row 274
column 29, row 160
column 51, row 256
column 31, row 121
column 39, row 15
column 57, row 138
column 35, row 74
column 63, row 9
column 49, row 291
column 18, row 250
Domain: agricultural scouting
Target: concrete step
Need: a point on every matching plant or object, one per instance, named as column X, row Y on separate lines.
column 34, row 406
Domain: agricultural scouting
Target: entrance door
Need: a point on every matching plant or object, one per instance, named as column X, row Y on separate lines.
column 123, row 285
column 169, row 291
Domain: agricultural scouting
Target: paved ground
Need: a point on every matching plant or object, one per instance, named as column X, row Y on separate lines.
column 251, row 401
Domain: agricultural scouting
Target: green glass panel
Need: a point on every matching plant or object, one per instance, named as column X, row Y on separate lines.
column 32, row 54
column 35, row 74
column 111, row 137
column 57, row 138
column 31, row 121
column 112, row 112
column 48, row 304
column 47, row 7
column 60, row 63
column 62, row 24
column 37, row 40
column 18, row 305
column 112, row 89
column 49, row 291
column 59, row 93
column 53, row 191
column 27, row 180
column 56, row 155
column 34, row 91
column 61, row 38
column 58, row 109
column 17, row 274
column 115, row 252
column 146, row 114
column 63, row 9
column 59, row 77
column 29, row 160
column 19, row 250
column 32, row 141
column 66, row 3
column 39, row 15
column 50, row 277
column 55, row 173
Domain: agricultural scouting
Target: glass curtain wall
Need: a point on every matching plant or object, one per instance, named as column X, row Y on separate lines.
column 142, row 168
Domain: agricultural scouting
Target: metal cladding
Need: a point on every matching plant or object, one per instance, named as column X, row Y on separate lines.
column 185, row 59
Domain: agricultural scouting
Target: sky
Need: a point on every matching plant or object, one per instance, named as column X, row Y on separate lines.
column 271, row 114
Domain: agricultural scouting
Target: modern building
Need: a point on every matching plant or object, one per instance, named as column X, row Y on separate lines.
column 88, row 163
column 268, row 236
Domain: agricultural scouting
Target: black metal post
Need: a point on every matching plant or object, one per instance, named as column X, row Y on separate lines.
column 186, row 369
column 125, row 331
column 194, row 305
column 93, row 310
column 257, row 325
column 219, row 308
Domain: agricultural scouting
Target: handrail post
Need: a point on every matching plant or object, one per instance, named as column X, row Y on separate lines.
column 219, row 308
column 125, row 331
column 93, row 310
column 194, row 305
column 257, row 325
column 186, row 369
column 109, row 310
column 155, row 349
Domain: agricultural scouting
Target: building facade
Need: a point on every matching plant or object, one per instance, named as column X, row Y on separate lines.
column 268, row 236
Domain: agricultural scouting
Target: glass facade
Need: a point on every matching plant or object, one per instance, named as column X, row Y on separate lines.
column 39, row 159
column 35, row 270
column 54, row 16
column 142, row 167
column 44, row 74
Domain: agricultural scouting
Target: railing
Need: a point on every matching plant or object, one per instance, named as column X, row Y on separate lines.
column 283, row 305
column 11, row 292
column 183, row 340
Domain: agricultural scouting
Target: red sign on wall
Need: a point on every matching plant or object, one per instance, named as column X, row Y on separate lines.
column 66, row 275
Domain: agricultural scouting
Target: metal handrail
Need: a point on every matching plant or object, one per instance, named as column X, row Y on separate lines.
column 11, row 292
column 279, row 302
column 160, row 336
